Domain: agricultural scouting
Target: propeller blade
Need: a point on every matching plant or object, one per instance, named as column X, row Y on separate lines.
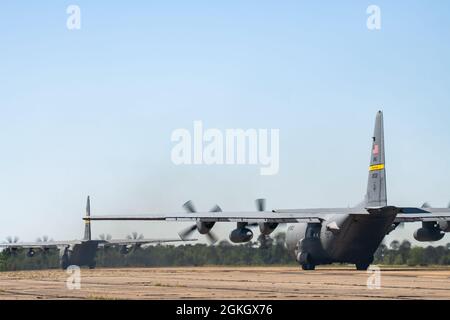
column 426, row 205
column 9, row 239
column 189, row 207
column 141, row 236
column 261, row 204
column 216, row 209
column 448, row 206
column 184, row 234
column 134, row 235
column 108, row 237
column 16, row 239
column 88, row 206
column 212, row 238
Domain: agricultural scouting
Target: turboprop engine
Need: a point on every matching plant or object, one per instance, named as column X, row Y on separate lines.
column 30, row 253
column 266, row 228
column 203, row 227
column 11, row 250
column 124, row 250
column 431, row 231
column 243, row 234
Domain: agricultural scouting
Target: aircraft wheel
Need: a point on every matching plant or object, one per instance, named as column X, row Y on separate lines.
column 308, row 266
column 64, row 262
column 362, row 266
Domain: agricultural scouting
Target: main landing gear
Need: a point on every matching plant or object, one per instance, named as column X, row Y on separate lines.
column 308, row 266
column 363, row 265
column 64, row 263
column 306, row 261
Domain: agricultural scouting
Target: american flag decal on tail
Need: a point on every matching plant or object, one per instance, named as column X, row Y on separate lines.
column 375, row 149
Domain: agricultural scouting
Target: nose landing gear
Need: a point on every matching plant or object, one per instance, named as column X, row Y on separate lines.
column 364, row 264
column 306, row 261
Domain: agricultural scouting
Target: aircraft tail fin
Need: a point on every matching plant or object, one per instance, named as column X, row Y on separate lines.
column 376, row 184
column 87, row 226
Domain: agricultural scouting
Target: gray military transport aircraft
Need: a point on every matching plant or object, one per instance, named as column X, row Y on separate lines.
column 323, row 236
column 81, row 252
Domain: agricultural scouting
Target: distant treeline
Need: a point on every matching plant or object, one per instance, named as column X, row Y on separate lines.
column 224, row 254
column 402, row 253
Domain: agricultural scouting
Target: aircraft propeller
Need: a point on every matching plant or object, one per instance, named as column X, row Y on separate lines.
column 426, row 204
column 44, row 238
column 105, row 237
column 12, row 240
column 201, row 227
column 266, row 227
column 135, row 236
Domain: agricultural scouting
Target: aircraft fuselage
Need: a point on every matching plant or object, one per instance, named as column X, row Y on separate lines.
column 339, row 238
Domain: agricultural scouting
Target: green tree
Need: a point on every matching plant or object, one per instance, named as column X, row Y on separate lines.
column 403, row 251
column 395, row 245
column 416, row 257
column 221, row 254
column 2, row 261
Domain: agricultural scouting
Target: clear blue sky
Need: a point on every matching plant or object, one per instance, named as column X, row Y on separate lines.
column 91, row 111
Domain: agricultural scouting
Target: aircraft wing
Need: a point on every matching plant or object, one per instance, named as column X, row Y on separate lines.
column 275, row 216
column 404, row 214
column 38, row 244
column 411, row 214
column 323, row 211
column 127, row 242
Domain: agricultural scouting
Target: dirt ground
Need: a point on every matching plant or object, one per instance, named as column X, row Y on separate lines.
column 228, row 283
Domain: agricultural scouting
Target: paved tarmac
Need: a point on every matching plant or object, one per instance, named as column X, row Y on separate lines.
column 229, row 283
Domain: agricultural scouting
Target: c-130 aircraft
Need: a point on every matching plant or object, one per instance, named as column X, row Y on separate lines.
column 81, row 252
column 323, row 236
